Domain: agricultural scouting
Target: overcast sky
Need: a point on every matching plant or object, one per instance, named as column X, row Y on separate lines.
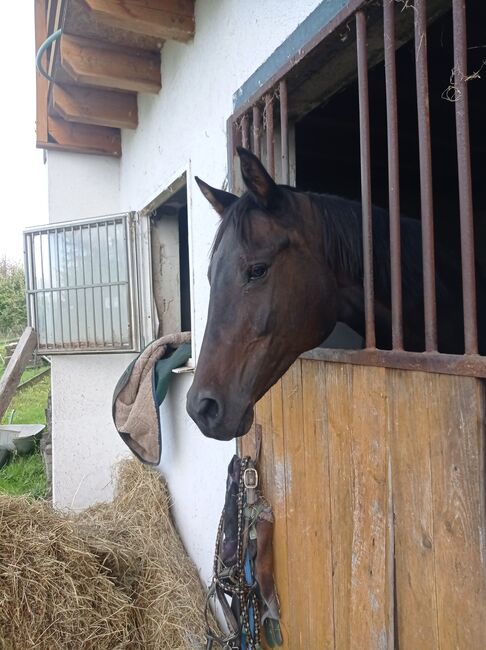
column 23, row 176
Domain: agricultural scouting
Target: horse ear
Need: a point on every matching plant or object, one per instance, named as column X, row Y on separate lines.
column 256, row 177
column 219, row 199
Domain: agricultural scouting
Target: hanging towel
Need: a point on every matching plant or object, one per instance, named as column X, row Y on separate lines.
column 142, row 389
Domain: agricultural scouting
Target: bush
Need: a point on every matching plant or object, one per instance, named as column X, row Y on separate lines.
column 13, row 316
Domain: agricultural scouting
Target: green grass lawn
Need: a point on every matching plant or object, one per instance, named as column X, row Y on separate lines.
column 25, row 474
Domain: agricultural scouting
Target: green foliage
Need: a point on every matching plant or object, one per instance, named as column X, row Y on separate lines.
column 13, row 315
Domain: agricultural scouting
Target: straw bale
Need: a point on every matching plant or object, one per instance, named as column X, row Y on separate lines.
column 115, row 576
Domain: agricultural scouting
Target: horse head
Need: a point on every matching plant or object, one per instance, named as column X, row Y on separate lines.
column 272, row 297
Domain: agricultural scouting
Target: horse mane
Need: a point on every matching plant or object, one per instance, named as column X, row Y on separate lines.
column 341, row 219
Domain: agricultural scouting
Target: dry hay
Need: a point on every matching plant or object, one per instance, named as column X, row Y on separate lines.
column 115, row 576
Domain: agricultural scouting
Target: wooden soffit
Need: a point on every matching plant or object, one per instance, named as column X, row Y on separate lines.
column 107, row 52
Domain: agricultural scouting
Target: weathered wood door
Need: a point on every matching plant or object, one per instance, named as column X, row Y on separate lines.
column 377, row 481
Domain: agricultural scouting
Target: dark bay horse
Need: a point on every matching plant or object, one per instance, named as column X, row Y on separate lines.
column 287, row 266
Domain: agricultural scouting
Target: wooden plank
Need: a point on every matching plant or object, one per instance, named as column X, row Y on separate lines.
column 411, row 394
column 299, row 548
column 371, row 619
column 456, row 417
column 82, row 138
column 166, row 19
column 361, row 522
column 94, row 106
column 87, row 62
column 316, row 508
column 15, row 367
column 279, row 504
column 41, row 83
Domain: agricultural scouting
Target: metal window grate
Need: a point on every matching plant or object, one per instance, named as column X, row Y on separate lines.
column 81, row 284
column 371, row 29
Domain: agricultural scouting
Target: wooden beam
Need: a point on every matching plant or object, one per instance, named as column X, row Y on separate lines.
column 83, row 138
column 41, row 83
column 94, row 106
column 16, row 366
column 87, row 62
column 164, row 19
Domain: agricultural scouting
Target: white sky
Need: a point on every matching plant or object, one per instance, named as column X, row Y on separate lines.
column 23, row 176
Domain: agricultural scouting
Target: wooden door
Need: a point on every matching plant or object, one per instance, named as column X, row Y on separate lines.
column 376, row 477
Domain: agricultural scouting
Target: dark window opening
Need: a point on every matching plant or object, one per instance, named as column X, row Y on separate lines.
column 327, row 144
column 170, row 264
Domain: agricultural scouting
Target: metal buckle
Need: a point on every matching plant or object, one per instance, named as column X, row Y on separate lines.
column 250, row 478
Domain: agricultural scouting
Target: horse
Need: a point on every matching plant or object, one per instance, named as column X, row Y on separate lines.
column 285, row 267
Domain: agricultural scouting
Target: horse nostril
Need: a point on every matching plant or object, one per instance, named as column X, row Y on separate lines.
column 208, row 408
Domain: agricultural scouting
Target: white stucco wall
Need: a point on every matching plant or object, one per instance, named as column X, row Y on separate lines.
column 183, row 128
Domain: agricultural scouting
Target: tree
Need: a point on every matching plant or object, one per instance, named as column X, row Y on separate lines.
column 13, row 316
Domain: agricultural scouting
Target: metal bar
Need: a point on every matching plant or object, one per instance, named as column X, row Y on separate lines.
column 92, row 279
column 60, row 227
column 464, row 174
column 76, row 291
column 68, row 296
column 43, row 285
column 118, row 284
column 109, row 282
column 393, row 173
column 56, row 235
column 270, row 135
column 365, row 163
column 469, row 365
column 52, row 294
column 245, row 131
column 284, row 131
column 82, row 286
column 257, row 131
column 425, row 159
column 84, row 283
column 101, row 281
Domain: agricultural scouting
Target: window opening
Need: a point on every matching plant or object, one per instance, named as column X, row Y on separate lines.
column 333, row 113
column 170, row 264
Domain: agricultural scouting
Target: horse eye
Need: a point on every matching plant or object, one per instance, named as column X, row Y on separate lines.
column 257, row 271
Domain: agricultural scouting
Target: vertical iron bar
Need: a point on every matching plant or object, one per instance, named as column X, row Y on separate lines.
column 425, row 159
column 245, row 131
column 91, row 258
column 84, row 283
column 59, row 285
column 67, row 289
column 52, row 292
column 393, row 173
column 284, row 134
column 35, row 283
column 464, row 174
column 101, row 282
column 270, row 136
column 44, row 294
column 78, row 340
column 107, row 228
column 117, row 258
column 365, row 163
column 257, row 129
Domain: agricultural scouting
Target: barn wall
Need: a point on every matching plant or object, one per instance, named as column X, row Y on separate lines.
column 183, row 128
column 377, row 481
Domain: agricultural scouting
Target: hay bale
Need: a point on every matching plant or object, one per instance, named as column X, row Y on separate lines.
column 113, row 576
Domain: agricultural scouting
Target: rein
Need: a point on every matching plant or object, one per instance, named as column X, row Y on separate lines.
column 235, row 560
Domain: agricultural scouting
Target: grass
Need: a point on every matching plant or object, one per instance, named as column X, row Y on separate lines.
column 25, row 474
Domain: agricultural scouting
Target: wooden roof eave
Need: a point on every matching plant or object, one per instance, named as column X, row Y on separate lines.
column 108, row 52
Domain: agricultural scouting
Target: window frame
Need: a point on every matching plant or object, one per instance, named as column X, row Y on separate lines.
column 132, row 314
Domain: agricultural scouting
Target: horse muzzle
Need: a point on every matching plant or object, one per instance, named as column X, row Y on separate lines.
column 216, row 419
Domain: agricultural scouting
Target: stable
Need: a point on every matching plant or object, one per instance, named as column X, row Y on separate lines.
column 373, row 443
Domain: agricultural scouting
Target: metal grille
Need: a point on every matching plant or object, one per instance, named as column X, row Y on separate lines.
column 253, row 125
column 81, row 284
